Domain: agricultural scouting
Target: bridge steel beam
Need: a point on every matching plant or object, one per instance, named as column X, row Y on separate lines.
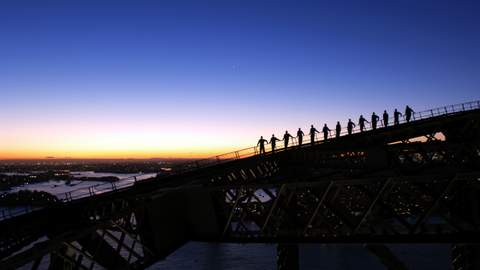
column 465, row 256
column 287, row 257
column 386, row 256
column 412, row 183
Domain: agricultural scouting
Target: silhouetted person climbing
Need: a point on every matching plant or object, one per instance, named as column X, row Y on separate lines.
column 338, row 129
column 385, row 118
column 262, row 142
column 408, row 113
column 375, row 119
column 300, row 135
column 361, row 123
column 350, row 126
column 273, row 142
column 396, row 117
column 286, row 137
column 325, row 130
column 312, row 134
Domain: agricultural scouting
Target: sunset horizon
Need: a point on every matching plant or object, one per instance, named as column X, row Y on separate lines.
column 134, row 81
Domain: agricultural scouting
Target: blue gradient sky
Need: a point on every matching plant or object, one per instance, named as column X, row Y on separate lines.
column 178, row 78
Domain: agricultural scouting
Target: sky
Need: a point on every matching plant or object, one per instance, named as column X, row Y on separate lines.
column 144, row 79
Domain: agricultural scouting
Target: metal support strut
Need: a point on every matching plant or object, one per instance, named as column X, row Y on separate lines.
column 287, row 257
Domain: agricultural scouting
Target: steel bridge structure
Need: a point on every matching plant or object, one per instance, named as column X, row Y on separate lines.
column 414, row 182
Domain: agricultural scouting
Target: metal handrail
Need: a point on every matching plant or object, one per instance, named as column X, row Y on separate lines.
column 445, row 110
column 248, row 152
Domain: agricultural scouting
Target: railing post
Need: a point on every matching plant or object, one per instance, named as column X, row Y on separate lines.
column 445, row 108
column 463, row 107
column 431, row 111
column 135, row 179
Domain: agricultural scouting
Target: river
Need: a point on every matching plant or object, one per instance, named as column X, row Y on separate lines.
column 77, row 187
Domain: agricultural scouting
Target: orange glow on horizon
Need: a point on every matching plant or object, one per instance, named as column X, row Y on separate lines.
column 112, row 154
column 120, row 153
column 39, row 142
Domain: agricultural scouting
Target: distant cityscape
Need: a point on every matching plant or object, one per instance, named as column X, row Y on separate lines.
column 64, row 173
column 97, row 165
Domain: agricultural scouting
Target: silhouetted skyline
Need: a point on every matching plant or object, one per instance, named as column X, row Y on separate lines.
column 149, row 79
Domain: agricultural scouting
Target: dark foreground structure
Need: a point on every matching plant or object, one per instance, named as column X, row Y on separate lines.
column 417, row 182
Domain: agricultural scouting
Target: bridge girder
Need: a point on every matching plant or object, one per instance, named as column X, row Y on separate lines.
column 414, row 183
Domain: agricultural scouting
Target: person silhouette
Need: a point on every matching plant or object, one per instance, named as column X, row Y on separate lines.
column 396, row 117
column 273, row 142
column 286, row 137
column 313, row 131
column 375, row 119
column 361, row 123
column 408, row 113
column 385, row 118
column 338, row 129
column 350, row 126
column 262, row 142
column 300, row 135
column 325, row 130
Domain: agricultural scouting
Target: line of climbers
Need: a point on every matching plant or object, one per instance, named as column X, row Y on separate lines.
column 326, row 131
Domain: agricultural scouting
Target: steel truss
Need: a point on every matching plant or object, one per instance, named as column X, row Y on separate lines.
column 415, row 183
column 392, row 209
